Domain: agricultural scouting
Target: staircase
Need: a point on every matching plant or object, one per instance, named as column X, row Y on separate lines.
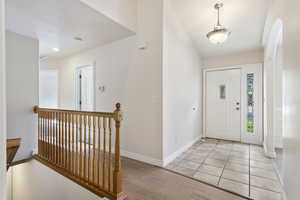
column 12, row 146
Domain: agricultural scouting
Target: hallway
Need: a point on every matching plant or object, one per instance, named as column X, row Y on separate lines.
column 241, row 168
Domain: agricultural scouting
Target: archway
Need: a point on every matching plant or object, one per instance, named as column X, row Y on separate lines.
column 273, row 92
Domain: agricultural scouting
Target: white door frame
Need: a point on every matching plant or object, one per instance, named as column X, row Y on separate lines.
column 243, row 68
column 93, row 65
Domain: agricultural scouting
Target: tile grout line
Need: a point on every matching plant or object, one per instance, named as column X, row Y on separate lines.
column 249, row 170
column 225, row 165
column 203, row 162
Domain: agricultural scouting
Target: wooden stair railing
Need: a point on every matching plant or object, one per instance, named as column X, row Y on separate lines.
column 12, row 146
column 84, row 147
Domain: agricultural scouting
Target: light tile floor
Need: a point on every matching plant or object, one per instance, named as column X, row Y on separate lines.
column 241, row 168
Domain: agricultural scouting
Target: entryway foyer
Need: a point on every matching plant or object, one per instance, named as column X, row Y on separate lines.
column 233, row 166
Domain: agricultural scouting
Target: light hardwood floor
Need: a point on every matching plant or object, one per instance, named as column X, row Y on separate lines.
column 147, row 182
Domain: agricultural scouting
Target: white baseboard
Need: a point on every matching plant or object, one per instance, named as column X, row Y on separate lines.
column 269, row 154
column 157, row 162
column 142, row 158
column 174, row 155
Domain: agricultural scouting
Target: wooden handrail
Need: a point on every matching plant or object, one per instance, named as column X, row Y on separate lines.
column 37, row 109
column 12, row 146
column 83, row 146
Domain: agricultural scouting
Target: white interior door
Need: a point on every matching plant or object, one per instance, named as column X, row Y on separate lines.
column 223, row 100
column 85, row 88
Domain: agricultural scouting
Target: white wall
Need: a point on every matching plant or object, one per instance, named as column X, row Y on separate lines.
column 9, row 184
column 247, row 57
column 48, row 88
column 35, row 181
column 132, row 77
column 110, row 72
column 181, row 88
column 22, row 56
column 2, row 104
column 123, row 12
column 291, row 45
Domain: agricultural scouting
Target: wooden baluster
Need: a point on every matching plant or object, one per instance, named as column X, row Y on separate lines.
column 117, row 170
column 69, row 142
column 73, row 141
column 76, row 151
column 89, row 145
column 99, row 149
column 52, row 137
column 94, row 148
column 104, row 152
column 61, row 139
column 56, row 138
column 109, row 157
column 66, row 140
column 43, row 136
column 39, row 134
column 48, row 137
column 84, row 148
column 80, row 154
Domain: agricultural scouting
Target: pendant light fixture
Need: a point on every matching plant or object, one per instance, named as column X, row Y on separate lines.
column 220, row 34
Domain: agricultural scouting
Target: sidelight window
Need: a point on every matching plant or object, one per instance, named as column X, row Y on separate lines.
column 250, row 103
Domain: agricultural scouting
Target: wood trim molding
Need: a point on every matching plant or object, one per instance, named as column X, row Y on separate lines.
column 12, row 147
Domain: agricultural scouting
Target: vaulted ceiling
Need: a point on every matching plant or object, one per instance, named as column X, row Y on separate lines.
column 244, row 18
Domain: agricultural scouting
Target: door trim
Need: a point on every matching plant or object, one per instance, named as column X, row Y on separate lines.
column 242, row 68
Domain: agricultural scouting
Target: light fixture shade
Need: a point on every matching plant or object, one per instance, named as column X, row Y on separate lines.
column 218, row 35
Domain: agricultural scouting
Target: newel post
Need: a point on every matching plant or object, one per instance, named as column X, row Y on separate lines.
column 117, row 189
column 35, row 109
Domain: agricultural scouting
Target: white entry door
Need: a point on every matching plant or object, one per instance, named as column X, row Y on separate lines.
column 223, row 101
column 85, row 88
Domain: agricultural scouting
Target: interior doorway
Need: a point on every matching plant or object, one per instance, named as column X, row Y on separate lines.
column 85, row 88
column 232, row 103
